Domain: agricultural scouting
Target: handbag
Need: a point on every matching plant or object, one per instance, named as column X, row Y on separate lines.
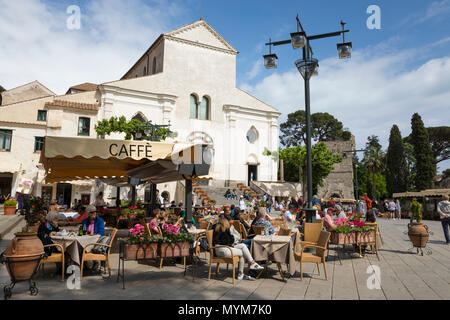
column 101, row 249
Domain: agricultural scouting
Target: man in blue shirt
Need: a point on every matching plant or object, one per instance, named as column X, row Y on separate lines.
column 94, row 223
column 260, row 221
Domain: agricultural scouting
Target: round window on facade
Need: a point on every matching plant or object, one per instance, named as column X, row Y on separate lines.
column 252, row 135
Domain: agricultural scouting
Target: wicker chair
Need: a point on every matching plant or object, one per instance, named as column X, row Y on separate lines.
column 284, row 232
column 55, row 257
column 258, row 230
column 204, row 225
column 231, row 259
column 88, row 256
column 318, row 257
column 375, row 234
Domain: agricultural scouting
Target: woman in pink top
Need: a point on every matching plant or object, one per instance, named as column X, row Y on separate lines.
column 328, row 220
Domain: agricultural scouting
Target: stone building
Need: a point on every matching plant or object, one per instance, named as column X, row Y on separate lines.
column 339, row 183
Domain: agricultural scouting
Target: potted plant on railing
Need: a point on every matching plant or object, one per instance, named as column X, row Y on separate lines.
column 351, row 231
column 134, row 214
column 139, row 244
column 172, row 242
column 10, row 207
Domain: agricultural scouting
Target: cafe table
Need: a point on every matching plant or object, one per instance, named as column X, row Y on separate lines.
column 274, row 248
column 74, row 245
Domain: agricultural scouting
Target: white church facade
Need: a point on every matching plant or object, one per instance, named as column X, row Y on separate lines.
column 186, row 78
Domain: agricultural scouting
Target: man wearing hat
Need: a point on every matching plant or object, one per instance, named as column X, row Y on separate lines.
column 93, row 224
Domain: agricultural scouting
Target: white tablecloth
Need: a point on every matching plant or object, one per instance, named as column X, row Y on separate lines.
column 64, row 215
column 74, row 245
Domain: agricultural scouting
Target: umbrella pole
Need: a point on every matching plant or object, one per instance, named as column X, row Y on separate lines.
column 188, row 202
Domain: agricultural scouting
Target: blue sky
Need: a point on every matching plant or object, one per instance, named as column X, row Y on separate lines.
column 400, row 69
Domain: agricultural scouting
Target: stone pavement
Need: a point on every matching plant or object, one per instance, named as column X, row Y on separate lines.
column 404, row 275
column 7, row 223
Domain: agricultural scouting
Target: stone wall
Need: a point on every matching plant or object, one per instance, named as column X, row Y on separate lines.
column 340, row 180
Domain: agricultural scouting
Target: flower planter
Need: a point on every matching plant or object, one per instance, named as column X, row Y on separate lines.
column 343, row 238
column 140, row 251
column 174, row 249
column 418, row 234
column 365, row 237
column 10, row 210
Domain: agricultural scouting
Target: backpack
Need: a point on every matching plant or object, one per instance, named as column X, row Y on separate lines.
column 101, row 249
column 204, row 244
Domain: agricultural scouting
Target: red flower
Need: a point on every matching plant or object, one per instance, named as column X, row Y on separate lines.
column 33, row 206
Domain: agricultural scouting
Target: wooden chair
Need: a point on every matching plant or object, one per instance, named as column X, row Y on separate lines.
column 204, row 225
column 241, row 229
column 245, row 217
column 320, row 221
column 88, row 256
column 231, row 259
column 375, row 234
column 258, row 230
column 284, row 232
column 318, row 257
column 311, row 232
column 55, row 257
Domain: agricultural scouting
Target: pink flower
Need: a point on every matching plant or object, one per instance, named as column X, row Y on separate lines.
column 153, row 224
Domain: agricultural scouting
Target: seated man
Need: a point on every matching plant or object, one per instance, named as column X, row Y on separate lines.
column 260, row 221
column 94, row 224
column 288, row 216
column 83, row 214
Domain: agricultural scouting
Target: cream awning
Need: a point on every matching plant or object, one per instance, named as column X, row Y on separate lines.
column 68, row 159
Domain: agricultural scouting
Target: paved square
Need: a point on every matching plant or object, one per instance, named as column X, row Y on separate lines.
column 403, row 276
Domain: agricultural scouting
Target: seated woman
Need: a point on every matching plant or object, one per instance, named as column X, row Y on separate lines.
column 223, row 236
column 328, row 220
column 47, row 229
column 370, row 217
column 155, row 220
column 83, row 214
column 288, row 216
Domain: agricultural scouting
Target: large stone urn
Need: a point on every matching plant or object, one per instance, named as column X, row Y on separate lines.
column 418, row 234
column 24, row 247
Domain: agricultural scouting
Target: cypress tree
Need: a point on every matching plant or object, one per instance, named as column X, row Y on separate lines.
column 425, row 162
column 396, row 167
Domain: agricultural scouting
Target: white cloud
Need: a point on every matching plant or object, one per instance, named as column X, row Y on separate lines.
column 367, row 93
column 36, row 44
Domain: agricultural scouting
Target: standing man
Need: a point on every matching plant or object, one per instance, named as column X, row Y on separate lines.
column 242, row 204
column 361, row 207
column 368, row 202
column 443, row 208
column 159, row 199
column 392, row 208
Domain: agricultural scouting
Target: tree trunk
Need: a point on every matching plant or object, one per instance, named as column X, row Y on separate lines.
column 374, row 188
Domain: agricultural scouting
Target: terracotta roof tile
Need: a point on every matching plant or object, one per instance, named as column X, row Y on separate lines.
column 85, row 87
column 71, row 104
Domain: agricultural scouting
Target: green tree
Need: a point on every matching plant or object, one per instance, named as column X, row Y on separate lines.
column 396, row 166
column 374, row 161
column 323, row 161
column 365, row 184
column 324, row 127
column 411, row 165
column 425, row 161
column 2, row 89
column 439, row 141
column 121, row 125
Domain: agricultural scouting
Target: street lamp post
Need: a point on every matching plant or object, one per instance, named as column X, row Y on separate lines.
column 307, row 66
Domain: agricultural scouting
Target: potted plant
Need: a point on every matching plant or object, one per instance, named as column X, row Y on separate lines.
column 173, row 243
column 34, row 213
column 139, row 244
column 418, row 233
column 10, row 207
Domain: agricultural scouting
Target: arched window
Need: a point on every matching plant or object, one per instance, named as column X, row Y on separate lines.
column 204, row 109
column 139, row 116
column 194, row 105
column 252, row 135
column 154, row 66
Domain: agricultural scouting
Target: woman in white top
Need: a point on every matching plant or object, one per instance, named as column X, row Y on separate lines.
column 99, row 202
